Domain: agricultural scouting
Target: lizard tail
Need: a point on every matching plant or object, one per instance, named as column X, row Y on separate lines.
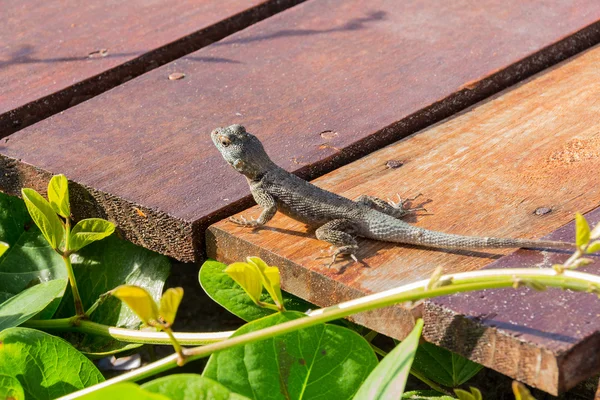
column 423, row 237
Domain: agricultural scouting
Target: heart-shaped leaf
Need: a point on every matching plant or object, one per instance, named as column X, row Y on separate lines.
column 388, row 380
column 44, row 217
column 191, row 387
column 58, row 195
column 10, row 388
column 225, row 291
column 46, row 366
column 30, row 302
column 88, row 231
column 293, row 366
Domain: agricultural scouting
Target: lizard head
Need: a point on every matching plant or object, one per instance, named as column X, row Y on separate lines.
column 242, row 150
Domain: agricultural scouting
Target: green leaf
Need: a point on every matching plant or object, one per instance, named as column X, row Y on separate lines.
column 44, row 217
column 425, row 395
column 223, row 290
column 475, row 394
column 3, row 248
column 46, row 366
column 27, row 263
column 270, row 278
column 191, row 387
column 122, row 391
column 521, row 392
column 10, row 388
column 58, row 195
column 443, row 366
column 320, row 361
column 88, row 231
column 169, row 303
column 30, row 302
column 139, row 300
column 388, row 380
column 99, row 268
column 582, row 230
column 14, row 218
column 593, row 247
column 248, row 277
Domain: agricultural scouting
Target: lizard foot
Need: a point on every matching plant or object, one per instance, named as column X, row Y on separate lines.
column 343, row 250
column 399, row 205
column 242, row 221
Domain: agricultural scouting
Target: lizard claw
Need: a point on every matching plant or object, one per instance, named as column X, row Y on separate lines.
column 343, row 250
column 399, row 205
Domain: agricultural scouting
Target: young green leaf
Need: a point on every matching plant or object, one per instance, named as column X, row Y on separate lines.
column 388, row 380
column 3, row 248
column 521, row 392
column 594, row 246
column 58, row 195
column 271, row 279
column 139, row 300
column 582, row 230
column 124, row 390
column 46, row 366
column 305, row 364
column 475, row 394
column 88, row 231
column 44, row 217
column 248, row 277
column 169, row 303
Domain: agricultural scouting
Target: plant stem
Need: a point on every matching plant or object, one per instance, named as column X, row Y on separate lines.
column 429, row 382
column 127, row 335
column 66, row 255
column 460, row 282
column 176, row 346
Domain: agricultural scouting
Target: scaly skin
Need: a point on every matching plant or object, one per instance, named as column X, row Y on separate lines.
column 338, row 220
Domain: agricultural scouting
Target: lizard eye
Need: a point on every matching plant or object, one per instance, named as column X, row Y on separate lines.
column 224, row 141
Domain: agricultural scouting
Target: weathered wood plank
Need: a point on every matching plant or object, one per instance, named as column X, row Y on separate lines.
column 321, row 84
column 518, row 165
column 548, row 339
column 55, row 54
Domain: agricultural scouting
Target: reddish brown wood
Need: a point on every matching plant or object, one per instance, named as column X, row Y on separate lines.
column 548, row 339
column 518, row 165
column 320, row 84
column 55, row 54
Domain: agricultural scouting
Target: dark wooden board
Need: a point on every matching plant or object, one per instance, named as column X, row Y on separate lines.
column 321, row 84
column 55, row 54
column 518, row 165
column 548, row 339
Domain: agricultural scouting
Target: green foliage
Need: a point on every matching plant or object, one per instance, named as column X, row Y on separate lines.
column 425, row 395
column 387, row 381
column 58, row 195
column 443, row 366
column 582, row 230
column 47, row 367
column 101, row 267
column 14, row 219
column 88, row 231
column 124, row 391
column 294, row 365
column 225, row 291
column 191, row 387
column 140, row 302
column 30, row 302
column 521, row 392
column 10, row 388
column 474, row 394
column 169, row 304
column 44, row 217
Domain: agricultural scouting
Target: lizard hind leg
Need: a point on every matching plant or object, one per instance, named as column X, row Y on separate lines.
column 394, row 208
column 339, row 233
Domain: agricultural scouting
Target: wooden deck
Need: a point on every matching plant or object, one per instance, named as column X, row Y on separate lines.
column 326, row 85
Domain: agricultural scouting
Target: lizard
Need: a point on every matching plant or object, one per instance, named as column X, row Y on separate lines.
column 337, row 219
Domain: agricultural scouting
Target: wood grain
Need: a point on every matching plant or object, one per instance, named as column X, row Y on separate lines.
column 518, row 165
column 55, row 54
column 321, row 84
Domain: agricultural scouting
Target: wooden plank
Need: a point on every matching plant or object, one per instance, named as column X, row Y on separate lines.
column 518, row 165
column 55, row 54
column 322, row 83
column 547, row 339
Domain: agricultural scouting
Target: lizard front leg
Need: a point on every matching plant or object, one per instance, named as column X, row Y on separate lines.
column 268, row 204
column 395, row 209
column 339, row 233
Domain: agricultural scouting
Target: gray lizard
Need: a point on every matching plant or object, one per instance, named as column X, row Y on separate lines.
column 338, row 219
